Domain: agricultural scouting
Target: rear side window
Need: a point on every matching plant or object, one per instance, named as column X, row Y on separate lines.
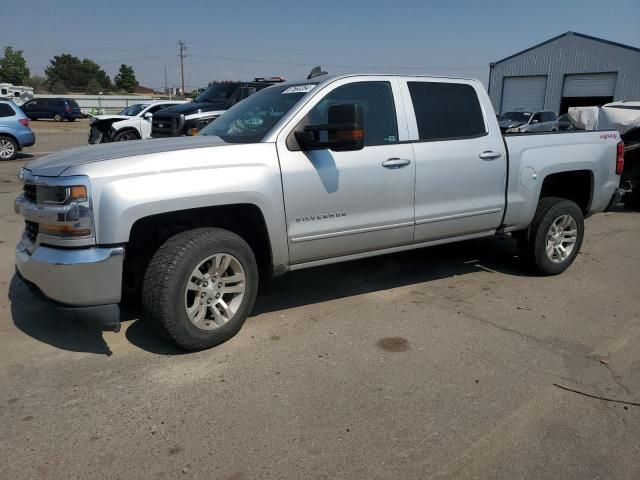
column 6, row 110
column 548, row 116
column 57, row 102
column 376, row 98
column 446, row 110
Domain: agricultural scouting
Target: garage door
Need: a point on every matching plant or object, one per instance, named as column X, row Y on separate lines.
column 523, row 93
column 590, row 85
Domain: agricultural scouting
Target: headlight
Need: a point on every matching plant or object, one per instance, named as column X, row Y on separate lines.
column 60, row 195
column 60, row 208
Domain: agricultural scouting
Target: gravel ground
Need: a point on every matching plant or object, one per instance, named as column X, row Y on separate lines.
column 438, row 363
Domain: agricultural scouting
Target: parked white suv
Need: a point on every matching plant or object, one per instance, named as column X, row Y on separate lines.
column 132, row 123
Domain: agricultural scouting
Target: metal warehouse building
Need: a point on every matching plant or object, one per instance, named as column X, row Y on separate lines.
column 569, row 70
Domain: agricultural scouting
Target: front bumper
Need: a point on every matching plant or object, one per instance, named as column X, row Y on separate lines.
column 105, row 317
column 74, row 277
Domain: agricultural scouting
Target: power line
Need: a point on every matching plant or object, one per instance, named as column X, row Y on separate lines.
column 97, row 49
column 336, row 65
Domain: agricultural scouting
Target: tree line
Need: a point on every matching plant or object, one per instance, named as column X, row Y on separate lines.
column 66, row 73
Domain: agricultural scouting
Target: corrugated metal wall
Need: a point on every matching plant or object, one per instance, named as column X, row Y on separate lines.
column 108, row 103
column 570, row 54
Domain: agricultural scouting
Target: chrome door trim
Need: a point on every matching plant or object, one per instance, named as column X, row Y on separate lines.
column 343, row 233
column 457, row 216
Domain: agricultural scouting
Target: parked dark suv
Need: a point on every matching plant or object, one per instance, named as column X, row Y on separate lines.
column 57, row 108
column 189, row 118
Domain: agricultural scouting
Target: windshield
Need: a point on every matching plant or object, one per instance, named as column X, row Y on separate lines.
column 516, row 116
column 217, row 93
column 250, row 120
column 133, row 110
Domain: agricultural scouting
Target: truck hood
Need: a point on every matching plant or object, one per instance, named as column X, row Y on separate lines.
column 55, row 164
column 193, row 107
column 109, row 117
column 509, row 123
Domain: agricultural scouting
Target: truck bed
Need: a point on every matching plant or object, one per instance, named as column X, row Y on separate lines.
column 535, row 156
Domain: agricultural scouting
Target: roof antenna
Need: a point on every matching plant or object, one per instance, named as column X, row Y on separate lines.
column 316, row 72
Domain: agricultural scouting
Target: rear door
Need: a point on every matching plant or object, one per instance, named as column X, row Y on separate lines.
column 460, row 165
column 341, row 203
column 56, row 106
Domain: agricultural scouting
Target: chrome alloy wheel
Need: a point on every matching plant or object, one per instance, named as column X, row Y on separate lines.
column 561, row 238
column 6, row 149
column 214, row 291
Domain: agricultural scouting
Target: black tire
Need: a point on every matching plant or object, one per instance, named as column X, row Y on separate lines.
column 8, row 148
column 532, row 243
column 72, row 119
column 166, row 277
column 125, row 135
column 57, row 117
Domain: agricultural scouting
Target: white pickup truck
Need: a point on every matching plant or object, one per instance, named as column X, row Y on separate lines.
column 301, row 174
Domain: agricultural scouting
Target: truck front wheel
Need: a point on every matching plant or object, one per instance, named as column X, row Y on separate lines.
column 200, row 287
column 554, row 237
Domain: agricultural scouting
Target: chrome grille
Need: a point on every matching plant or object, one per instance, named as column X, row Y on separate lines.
column 31, row 230
column 30, row 192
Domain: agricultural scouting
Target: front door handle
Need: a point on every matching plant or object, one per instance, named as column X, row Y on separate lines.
column 489, row 155
column 396, row 163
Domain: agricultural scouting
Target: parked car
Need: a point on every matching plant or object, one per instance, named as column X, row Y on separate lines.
column 132, row 123
column 302, row 174
column 524, row 122
column 190, row 118
column 15, row 133
column 563, row 123
column 57, row 108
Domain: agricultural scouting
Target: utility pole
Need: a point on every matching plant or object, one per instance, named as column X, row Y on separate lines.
column 165, row 80
column 183, row 48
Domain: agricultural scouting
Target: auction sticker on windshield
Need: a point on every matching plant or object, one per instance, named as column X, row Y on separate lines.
column 300, row 88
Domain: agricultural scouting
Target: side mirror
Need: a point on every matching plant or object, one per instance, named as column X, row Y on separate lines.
column 344, row 130
column 534, row 121
column 148, row 115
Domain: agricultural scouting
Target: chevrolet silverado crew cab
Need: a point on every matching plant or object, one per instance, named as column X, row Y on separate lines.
column 192, row 117
column 301, row 174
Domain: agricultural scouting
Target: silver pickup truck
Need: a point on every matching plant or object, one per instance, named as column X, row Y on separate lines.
column 301, row 174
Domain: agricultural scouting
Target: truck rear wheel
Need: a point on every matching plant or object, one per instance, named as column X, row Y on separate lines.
column 200, row 287
column 552, row 241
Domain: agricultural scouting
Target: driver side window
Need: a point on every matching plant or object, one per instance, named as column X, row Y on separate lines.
column 155, row 108
column 376, row 99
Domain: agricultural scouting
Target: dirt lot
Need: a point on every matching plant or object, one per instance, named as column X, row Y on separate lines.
column 438, row 363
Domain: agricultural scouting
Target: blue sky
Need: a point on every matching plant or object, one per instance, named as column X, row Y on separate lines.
column 229, row 40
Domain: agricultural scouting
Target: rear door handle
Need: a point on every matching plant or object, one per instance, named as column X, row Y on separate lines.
column 396, row 163
column 489, row 155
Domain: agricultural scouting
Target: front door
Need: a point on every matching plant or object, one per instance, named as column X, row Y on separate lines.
column 461, row 163
column 342, row 203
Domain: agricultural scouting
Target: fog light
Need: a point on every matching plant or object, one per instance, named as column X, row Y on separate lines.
column 63, row 230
